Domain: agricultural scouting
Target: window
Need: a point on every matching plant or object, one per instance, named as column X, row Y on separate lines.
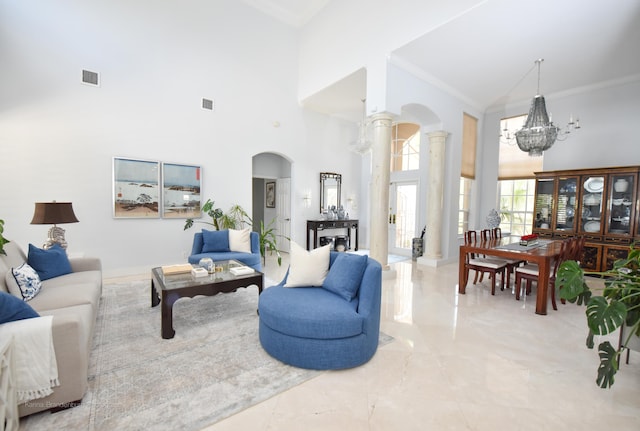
column 405, row 147
column 467, row 170
column 516, row 182
column 464, row 205
column 516, row 205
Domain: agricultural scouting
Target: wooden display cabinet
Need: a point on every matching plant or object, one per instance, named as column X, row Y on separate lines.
column 602, row 204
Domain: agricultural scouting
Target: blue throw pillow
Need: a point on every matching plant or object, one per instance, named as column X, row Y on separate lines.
column 215, row 240
column 49, row 263
column 345, row 275
column 13, row 308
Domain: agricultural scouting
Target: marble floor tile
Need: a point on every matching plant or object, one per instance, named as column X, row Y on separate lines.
column 459, row 362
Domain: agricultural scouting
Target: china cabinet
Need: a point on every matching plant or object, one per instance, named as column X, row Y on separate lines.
column 602, row 204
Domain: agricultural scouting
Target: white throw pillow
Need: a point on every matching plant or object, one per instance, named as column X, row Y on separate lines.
column 23, row 282
column 240, row 240
column 308, row 268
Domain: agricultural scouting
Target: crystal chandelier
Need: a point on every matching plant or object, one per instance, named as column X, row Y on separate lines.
column 539, row 133
column 362, row 144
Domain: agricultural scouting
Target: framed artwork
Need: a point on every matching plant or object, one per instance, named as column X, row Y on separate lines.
column 181, row 185
column 271, row 194
column 136, row 192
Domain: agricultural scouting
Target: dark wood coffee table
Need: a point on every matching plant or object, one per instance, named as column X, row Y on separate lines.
column 169, row 288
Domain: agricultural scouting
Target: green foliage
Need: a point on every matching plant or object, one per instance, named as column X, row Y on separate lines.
column 268, row 239
column 235, row 218
column 3, row 240
column 616, row 305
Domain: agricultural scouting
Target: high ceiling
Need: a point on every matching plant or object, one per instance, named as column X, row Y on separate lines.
column 486, row 56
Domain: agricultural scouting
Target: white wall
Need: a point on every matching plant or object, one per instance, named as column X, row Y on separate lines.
column 156, row 60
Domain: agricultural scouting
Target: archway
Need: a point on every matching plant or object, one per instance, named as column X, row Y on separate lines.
column 271, row 197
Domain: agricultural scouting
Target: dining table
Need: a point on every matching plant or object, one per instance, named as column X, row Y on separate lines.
column 541, row 252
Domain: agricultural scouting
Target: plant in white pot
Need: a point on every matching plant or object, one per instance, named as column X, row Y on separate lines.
column 617, row 305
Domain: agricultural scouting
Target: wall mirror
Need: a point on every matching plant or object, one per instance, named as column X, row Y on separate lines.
column 330, row 184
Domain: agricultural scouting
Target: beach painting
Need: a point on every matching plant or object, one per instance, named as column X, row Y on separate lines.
column 136, row 188
column 181, row 191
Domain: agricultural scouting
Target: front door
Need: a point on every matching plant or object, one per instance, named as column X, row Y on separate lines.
column 402, row 216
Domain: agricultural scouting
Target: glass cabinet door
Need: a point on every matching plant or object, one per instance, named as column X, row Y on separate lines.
column 566, row 204
column 544, row 203
column 592, row 209
column 620, row 209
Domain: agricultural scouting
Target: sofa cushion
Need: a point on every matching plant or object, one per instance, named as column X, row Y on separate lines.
column 309, row 313
column 240, row 240
column 215, row 240
column 13, row 308
column 23, row 282
column 345, row 275
column 68, row 290
column 49, row 263
column 307, row 268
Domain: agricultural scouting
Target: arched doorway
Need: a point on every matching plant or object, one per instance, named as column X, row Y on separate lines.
column 272, row 195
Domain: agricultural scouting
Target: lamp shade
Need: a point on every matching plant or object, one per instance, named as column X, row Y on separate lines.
column 53, row 213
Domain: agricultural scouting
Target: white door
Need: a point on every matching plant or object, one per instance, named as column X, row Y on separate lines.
column 283, row 213
column 402, row 216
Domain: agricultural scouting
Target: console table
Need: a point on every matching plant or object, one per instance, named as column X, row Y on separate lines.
column 316, row 225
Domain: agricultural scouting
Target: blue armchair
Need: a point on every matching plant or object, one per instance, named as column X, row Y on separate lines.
column 312, row 327
column 252, row 259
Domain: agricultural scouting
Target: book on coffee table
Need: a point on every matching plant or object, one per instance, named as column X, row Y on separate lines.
column 180, row 268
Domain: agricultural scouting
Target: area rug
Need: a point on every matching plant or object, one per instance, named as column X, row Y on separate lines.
column 213, row 368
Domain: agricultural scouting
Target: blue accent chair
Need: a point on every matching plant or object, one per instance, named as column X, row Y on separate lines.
column 253, row 259
column 311, row 327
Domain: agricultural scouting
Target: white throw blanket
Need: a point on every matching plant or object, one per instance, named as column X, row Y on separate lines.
column 35, row 367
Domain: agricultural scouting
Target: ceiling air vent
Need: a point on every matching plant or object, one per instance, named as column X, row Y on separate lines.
column 207, row 104
column 91, row 78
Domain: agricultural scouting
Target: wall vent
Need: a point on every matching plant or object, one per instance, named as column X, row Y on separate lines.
column 207, row 104
column 91, row 78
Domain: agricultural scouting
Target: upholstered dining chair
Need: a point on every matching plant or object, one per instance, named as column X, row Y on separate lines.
column 482, row 264
column 530, row 272
column 512, row 264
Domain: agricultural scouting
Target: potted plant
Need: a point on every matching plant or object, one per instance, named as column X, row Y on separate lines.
column 268, row 239
column 3, row 240
column 616, row 305
column 234, row 218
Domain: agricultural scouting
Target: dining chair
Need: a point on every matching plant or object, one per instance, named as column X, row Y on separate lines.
column 512, row 264
column 482, row 264
column 530, row 273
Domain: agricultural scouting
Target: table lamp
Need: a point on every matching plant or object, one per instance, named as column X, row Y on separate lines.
column 54, row 213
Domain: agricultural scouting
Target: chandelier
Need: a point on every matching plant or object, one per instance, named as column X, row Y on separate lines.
column 539, row 133
column 362, row 144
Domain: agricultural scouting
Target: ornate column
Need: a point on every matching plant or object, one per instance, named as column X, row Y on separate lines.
column 379, row 213
column 433, row 248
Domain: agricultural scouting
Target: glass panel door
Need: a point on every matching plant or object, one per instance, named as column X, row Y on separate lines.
column 544, row 204
column 566, row 207
column 620, row 205
column 402, row 217
column 591, row 217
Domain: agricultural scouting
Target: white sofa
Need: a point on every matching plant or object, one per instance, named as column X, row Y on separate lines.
column 73, row 301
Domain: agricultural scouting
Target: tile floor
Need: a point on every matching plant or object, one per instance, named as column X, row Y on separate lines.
column 459, row 362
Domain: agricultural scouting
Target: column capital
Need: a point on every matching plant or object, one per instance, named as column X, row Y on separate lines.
column 380, row 117
column 439, row 134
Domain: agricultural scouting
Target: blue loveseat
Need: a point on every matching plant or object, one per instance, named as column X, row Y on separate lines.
column 315, row 328
column 218, row 250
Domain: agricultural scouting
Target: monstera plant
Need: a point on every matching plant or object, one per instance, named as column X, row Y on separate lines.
column 617, row 305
